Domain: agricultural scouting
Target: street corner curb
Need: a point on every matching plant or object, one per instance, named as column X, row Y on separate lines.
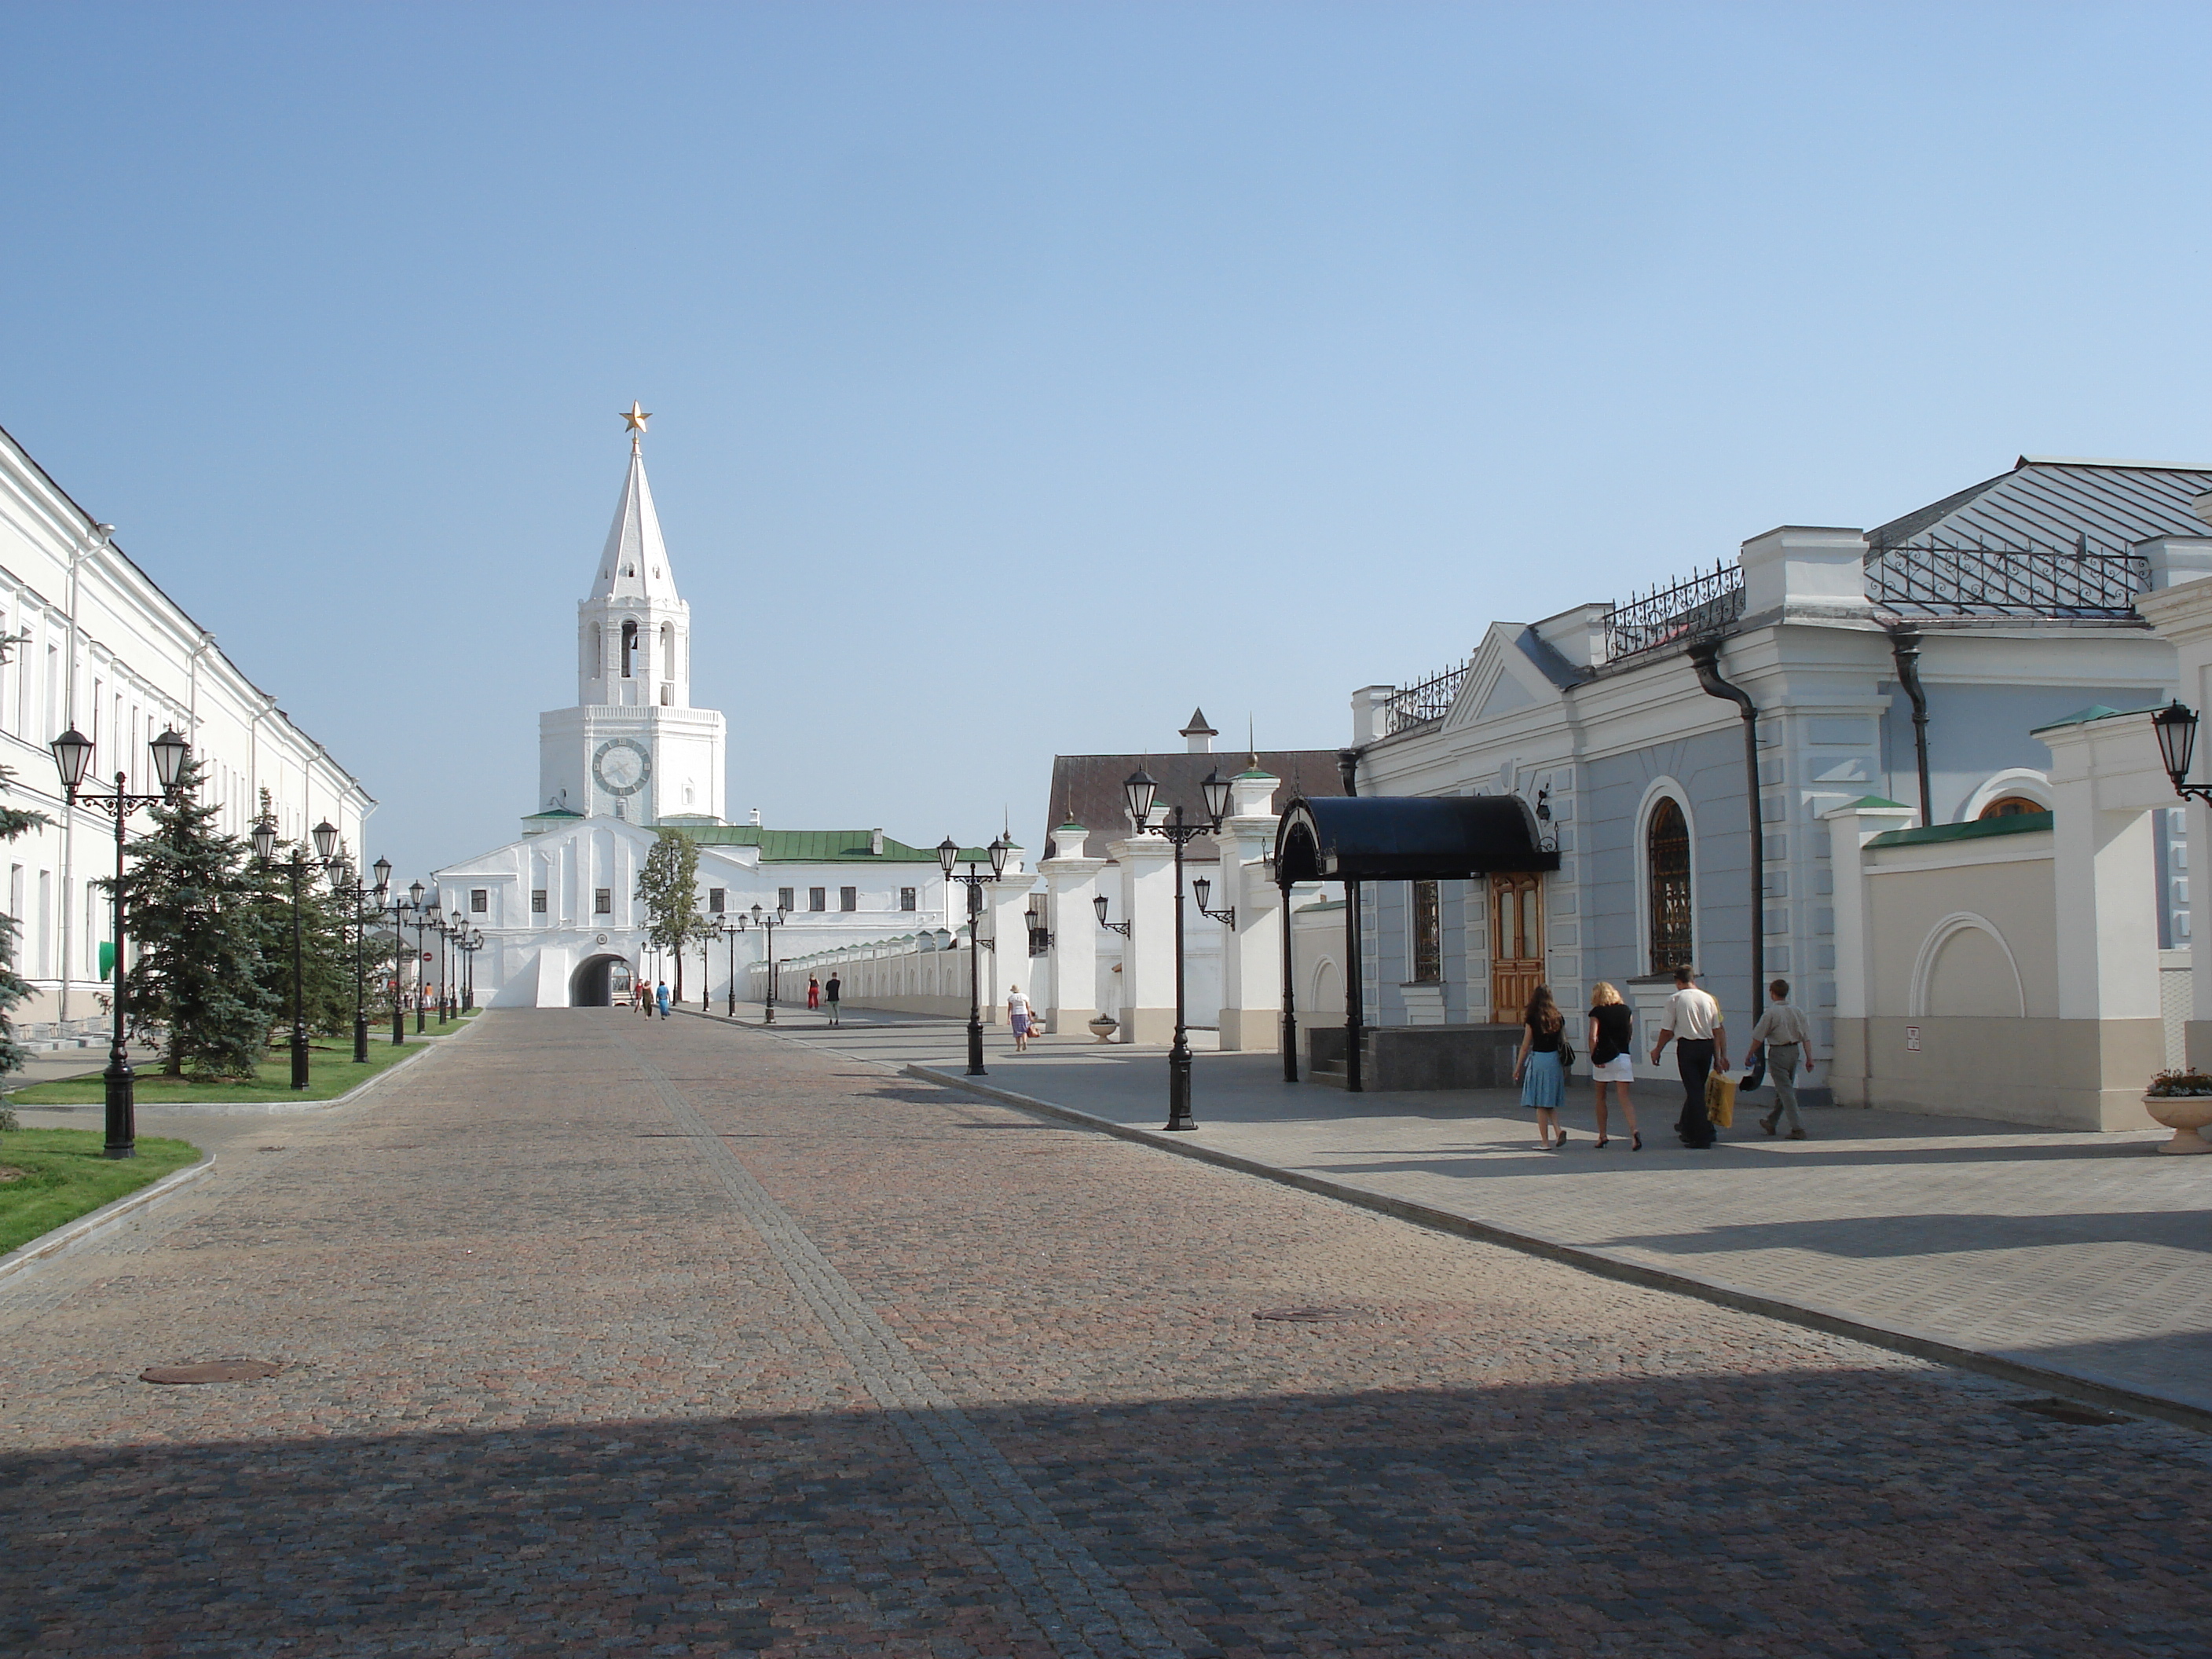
column 2090, row 1389
column 70, row 1234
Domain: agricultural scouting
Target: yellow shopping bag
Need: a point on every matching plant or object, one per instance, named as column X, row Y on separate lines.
column 1720, row 1099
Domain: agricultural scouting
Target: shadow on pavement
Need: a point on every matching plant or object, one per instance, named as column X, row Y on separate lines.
column 1805, row 1512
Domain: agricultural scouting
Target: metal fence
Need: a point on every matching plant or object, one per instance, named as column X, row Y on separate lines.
column 1704, row 603
column 1417, row 705
column 1933, row 578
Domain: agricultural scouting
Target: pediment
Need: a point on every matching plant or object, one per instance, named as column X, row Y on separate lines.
column 1500, row 682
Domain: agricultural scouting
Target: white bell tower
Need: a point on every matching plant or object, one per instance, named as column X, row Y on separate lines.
column 633, row 747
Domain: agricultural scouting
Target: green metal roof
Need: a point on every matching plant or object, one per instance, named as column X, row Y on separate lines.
column 552, row 812
column 816, row 845
column 2018, row 824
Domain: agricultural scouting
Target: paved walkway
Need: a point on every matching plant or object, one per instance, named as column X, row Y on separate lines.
column 603, row 1338
column 2087, row 1255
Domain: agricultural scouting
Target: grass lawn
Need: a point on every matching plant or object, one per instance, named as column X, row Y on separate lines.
column 63, row 1176
column 331, row 1072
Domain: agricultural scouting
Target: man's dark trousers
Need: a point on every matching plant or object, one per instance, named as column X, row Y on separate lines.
column 1693, row 1059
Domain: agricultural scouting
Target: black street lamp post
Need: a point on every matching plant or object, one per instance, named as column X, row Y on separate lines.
column 1140, row 790
column 468, row 943
column 347, row 884
column 296, row 867
column 724, row 930
column 768, row 921
column 72, row 753
column 422, row 918
column 948, row 857
column 2175, row 726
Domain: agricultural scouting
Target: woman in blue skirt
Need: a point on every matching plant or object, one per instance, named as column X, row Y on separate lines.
column 1537, row 1069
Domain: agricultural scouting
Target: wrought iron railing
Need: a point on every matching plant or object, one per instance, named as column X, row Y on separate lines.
column 1704, row 603
column 1415, row 705
column 1935, row 579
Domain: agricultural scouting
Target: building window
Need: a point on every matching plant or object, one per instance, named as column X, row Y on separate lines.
column 784, row 900
column 848, row 898
column 717, row 900
column 1667, row 876
column 2011, row 807
column 817, row 898
column 479, row 900
column 905, row 898
column 1428, row 933
column 538, row 901
column 629, row 647
column 603, row 901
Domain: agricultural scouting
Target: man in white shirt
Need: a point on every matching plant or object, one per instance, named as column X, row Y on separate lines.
column 1693, row 1025
column 1787, row 1042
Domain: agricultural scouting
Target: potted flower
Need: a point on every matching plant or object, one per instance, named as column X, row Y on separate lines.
column 2183, row 1102
column 1103, row 1025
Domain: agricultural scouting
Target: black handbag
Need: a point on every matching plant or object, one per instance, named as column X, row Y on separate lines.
column 1755, row 1076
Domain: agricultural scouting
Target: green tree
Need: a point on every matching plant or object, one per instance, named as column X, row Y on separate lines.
column 188, row 909
column 669, row 887
column 14, row 987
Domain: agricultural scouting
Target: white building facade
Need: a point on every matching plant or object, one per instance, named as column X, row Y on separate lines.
column 557, row 907
column 96, row 645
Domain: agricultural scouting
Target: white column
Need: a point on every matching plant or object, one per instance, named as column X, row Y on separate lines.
column 1147, row 904
column 1007, row 925
column 1849, row 829
column 1251, row 950
column 2182, row 613
column 2105, row 780
column 1073, row 880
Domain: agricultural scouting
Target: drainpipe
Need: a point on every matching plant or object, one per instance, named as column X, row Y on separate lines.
column 1705, row 656
column 1905, row 648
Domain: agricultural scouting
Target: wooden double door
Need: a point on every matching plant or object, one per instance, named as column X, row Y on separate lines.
column 1516, row 944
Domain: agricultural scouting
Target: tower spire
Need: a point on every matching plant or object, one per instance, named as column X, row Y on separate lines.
column 634, row 562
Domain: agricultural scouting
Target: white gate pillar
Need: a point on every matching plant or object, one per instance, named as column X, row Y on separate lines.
column 1147, row 866
column 1073, row 879
column 1252, row 950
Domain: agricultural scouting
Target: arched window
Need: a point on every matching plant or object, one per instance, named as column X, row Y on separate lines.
column 2011, row 806
column 598, row 652
column 629, row 647
column 1667, row 878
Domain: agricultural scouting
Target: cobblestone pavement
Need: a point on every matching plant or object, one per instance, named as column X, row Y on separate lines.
column 603, row 1337
column 2087, row 1255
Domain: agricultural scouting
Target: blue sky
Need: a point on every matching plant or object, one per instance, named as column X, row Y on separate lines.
column 1026, row 374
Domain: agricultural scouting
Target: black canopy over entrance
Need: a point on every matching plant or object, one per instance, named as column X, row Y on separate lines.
column 1392, row 838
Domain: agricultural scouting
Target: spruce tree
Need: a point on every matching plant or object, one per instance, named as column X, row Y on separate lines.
column 669, row 887
column 189, row 909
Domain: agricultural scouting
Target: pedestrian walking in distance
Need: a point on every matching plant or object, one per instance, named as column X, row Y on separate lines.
column 1782, row 1036
column 837, row 990
column 660, row 997
column 643, row 994
column 813, row 991
column 1693, row 1026
column 1018, row 1018
column 1543, row 1080
column 1613, row 1057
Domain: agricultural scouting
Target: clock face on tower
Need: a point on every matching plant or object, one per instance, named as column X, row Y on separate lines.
column 622, row 766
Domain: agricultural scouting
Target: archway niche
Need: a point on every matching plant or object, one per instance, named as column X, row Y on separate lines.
column 599, row 982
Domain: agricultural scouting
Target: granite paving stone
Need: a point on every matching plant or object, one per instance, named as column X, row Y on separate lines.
column 600, row 1336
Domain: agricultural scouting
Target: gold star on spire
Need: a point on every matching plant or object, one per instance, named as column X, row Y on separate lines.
column 636, row 415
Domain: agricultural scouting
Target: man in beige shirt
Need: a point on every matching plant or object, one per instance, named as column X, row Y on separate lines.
column 1787, row 1041
column 1693, row 1026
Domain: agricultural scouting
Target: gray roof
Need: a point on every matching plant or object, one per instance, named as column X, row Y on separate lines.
column 1088, row 787
column 2047, row 503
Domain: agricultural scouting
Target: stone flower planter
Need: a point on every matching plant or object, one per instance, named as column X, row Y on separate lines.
column 2185, row 1114
column 1105, row 1025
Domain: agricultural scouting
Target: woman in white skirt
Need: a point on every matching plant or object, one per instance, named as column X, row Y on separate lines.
column 1537, row 1069
column 1019, row 1018
column 1613, row 1056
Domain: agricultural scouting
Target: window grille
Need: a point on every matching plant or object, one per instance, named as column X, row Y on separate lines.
column 1667, row 872
column 905, row 898
column 479, row 900
column 603, row 901
column 538, row 901
column 717, row 900
column 1428, row 933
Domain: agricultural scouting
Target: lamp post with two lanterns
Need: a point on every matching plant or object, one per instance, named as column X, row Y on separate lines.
column 768, row 921
column 1140, row 789
column 72, row 753
column 296, row 867
column 347, row 884
column 948, row 858
column 422, row 918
